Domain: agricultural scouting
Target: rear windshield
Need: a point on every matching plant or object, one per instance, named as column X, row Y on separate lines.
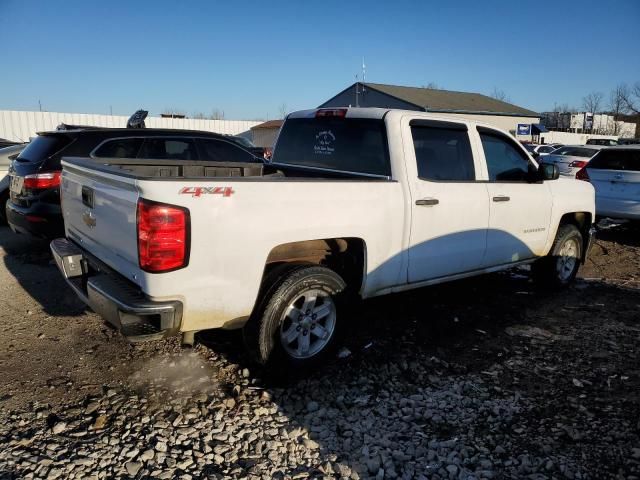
column 576, row 152
column 345, row 144
column 42, row 147
column 617, row 160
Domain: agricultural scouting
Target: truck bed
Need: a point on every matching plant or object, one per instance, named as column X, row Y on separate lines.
column 156, row 169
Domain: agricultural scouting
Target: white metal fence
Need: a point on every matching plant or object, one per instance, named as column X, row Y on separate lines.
column 20, row 126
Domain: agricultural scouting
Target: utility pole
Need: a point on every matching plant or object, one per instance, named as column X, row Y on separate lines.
column 39, row 105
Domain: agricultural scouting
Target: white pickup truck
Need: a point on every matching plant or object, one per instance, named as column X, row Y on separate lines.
column 355, row 203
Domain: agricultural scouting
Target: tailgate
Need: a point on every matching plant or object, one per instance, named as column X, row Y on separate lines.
column 100, row 215
column 623, row 185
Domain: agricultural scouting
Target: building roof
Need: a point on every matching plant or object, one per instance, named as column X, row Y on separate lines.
column 269, row 124
column 447, row 101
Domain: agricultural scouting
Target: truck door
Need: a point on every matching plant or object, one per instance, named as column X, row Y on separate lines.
column 450, row 210
column 520, row 207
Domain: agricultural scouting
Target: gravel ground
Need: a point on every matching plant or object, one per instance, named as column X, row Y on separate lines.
column 484, row 378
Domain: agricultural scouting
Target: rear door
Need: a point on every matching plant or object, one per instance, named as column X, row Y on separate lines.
column 99, row 212
column 520, row 210
column 450, row 209
column 615, row 175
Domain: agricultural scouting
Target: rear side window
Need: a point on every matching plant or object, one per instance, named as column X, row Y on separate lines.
column 617, row 160
column 578, row 152
column 505, row 162
column 443, row 154
column 119, row 148
column 355, row 145
column 42, row 147
column 222, row 151
column 168, row 149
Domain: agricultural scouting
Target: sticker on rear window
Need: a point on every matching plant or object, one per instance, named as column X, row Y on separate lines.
column 324, row 142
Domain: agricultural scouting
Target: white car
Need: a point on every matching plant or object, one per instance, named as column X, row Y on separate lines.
column 357, row 202
column 7, row 154
column 540, row 150
column 571, row 158
column 615, row 174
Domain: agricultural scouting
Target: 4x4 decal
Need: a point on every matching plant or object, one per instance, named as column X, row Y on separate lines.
column 199, row 191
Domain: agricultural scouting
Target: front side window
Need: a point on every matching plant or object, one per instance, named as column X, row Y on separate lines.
column 505, row 162
column 222, row 151
column 443, row 154
column 168, row 149
column 119, row 148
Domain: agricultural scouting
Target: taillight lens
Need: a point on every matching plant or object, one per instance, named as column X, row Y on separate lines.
column 578, row 164
column 163, row 236
column 42, row 180
column 583, row 175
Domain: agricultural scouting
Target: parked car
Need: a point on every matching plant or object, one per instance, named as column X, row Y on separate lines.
column 629, row 141
column 605, row 142
column 34, row 205
column 571, row 158
column 539, row 150
column 357, row 202
column 615, row 174
column 7, row 154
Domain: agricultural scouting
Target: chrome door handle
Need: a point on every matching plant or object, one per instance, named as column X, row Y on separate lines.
column 427, row 202
column 501, row 198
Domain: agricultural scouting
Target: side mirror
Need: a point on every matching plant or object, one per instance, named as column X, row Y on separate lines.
column 548, row 171
column 535, row 155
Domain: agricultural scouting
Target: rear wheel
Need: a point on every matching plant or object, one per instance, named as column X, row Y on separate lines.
column 296, row 324
column 560, row 267
column 4, row 197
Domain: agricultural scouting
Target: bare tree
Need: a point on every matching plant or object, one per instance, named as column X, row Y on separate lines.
column 432, row 86
column 216, row 114
column 198, row 116
column 282, row 110
column 500, row 95
column 632, row 98
column 618, row 104
column 591, row 102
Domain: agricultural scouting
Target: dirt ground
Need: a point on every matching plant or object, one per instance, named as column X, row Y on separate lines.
column 575, row 354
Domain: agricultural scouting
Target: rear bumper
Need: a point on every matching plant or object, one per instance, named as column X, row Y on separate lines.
column 40, row 220
column 113, row 297
column 591, row 236
column 617, row 208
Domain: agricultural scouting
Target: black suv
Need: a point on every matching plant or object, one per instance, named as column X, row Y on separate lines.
column 34, row 203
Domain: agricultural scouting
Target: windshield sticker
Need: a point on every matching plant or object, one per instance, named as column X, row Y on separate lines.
column 199, row 191
column 324, row 142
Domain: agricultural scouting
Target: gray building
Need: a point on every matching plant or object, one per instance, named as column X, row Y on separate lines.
column 448, row 103
column 265, row 134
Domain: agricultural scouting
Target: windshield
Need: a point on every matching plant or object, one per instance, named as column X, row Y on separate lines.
column 42, row 147
column 245, row 142
column 355, row 145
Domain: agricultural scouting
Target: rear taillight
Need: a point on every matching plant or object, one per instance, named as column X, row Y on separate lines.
column 163, row 236
column 42, row 180
column 583, row 175
column 578, row 164
column 332, row 112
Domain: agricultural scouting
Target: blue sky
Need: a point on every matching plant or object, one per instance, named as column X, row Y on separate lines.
column 248, row 58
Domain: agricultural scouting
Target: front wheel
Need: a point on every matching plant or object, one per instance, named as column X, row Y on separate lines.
column 296, row 323
column 560, row 267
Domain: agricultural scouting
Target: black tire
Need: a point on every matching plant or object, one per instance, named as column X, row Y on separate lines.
column 4, row 197
column 263, row 330
column 550, row 271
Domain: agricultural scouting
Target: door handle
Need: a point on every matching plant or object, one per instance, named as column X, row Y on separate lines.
column 501, row 198
column 427, row 202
